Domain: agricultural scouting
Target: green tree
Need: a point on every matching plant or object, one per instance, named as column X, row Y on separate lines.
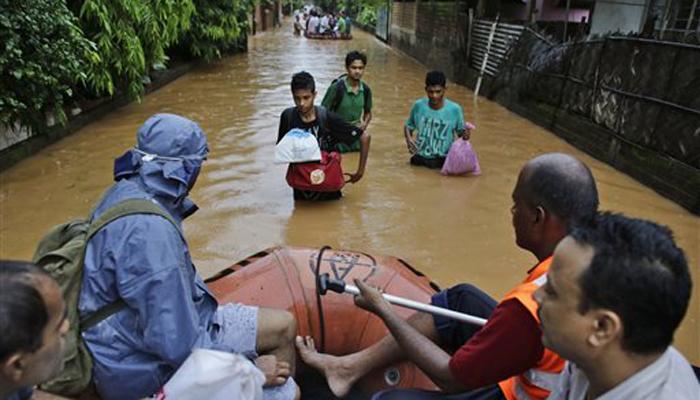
column 217, row 27
column 44, row 56
column 365, row 11
column 131, row 36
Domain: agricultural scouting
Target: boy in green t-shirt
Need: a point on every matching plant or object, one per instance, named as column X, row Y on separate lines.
column 354, row 102
column 433, row 124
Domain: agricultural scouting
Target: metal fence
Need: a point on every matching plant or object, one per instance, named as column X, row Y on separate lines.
column 646, row 92
column 503, row 38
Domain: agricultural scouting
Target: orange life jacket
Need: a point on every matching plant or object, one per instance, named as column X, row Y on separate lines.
column 537, row 382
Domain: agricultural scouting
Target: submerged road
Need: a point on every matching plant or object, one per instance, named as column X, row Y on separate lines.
column 452, row 229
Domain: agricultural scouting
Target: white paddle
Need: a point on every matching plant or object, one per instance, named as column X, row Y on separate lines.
column 335, row 285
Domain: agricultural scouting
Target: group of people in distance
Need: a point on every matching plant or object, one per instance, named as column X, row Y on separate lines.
column 321, row 24
column 593, row 319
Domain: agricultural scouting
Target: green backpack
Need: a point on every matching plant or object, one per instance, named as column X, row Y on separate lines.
column 61, row 253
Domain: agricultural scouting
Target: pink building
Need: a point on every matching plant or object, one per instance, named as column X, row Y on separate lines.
column 546, row 10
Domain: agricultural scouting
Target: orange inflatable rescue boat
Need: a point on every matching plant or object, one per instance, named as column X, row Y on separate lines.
column 285, row 278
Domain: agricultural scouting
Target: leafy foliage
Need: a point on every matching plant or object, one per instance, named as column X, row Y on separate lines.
column 365, row 10
column 131, row 36
column 43, row 57
column 54, row 48
column 217, row 26
column 367, row 16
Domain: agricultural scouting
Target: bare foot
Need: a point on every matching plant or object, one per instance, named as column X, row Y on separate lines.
column 338, row 372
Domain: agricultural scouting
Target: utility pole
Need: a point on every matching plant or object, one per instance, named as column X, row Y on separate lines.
column 566, row 23
column 530, row 11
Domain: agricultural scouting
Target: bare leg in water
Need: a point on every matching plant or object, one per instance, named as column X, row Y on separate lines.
column 342, row 372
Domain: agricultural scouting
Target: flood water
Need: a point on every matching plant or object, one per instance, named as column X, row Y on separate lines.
column 453, row 229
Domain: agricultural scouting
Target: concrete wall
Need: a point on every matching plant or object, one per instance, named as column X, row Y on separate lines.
column 14, row 135
column 432, row 32
column 19, row 143
column 618, row 15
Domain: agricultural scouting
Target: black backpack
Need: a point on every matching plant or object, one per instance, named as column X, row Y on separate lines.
column 321, row 115
column 340, row 90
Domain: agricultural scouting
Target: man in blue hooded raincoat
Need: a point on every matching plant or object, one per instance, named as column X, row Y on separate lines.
column 144, row 260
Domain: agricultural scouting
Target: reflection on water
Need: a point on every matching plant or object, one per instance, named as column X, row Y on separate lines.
column 453, row 229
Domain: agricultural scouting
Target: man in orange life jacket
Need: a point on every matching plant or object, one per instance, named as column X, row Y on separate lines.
column 504, row 359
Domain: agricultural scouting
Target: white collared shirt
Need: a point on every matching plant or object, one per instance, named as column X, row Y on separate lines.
column 670, row 377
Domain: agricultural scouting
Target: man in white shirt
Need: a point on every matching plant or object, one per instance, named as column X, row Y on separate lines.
column 312, row 27
column 325, row 26
column 615, row 294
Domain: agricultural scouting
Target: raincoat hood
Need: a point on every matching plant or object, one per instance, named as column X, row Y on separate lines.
column 168, row 156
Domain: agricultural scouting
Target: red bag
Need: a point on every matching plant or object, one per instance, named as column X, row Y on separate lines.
column 324, row 176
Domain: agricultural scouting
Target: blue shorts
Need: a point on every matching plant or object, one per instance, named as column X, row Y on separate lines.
column 239, row 329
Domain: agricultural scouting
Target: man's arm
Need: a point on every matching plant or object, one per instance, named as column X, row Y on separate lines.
column 364, row 154
column 460, row 131
column 410, row 141
column 367, row 110
column 509, row 344
column 409, row 128
column 366, row 119
column 428, row 356
column 345, row 132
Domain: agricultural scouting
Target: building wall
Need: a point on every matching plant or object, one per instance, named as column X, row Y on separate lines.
column 267, row 17
column 432, row 32
column 618, row 15
column 547, row 10
column 551, row 11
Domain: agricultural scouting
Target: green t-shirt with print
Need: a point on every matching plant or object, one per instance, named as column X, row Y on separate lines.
column 436, row 128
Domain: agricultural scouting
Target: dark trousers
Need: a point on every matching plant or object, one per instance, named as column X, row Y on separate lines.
column 304, row 195
column 492, row 392
column 434, row 163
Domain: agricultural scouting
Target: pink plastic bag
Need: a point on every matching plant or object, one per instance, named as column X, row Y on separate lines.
column 461, row 159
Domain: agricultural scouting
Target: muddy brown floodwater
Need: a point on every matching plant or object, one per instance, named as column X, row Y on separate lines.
column 452, row 229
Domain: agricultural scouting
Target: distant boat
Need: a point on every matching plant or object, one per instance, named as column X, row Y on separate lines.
column 318, row 36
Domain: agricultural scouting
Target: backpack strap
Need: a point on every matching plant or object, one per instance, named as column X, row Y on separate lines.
column 129, row 207
column 322, row 116
column 368, row 94
column 340, row 90
column 287, row 117
column 339, row 93
column 122, row 209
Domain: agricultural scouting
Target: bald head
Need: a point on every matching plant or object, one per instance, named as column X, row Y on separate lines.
column 562, row 185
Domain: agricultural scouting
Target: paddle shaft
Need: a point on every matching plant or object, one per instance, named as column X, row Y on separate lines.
column 414, row 305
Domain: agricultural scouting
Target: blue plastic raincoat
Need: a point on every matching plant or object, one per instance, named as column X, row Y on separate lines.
column 144, row 260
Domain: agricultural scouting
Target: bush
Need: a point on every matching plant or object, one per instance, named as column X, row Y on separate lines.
column 217, row 26
column 367, row 16
column 131, row 36
column 44, row 55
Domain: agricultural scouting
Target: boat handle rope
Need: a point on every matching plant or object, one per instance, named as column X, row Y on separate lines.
column 319, row 303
